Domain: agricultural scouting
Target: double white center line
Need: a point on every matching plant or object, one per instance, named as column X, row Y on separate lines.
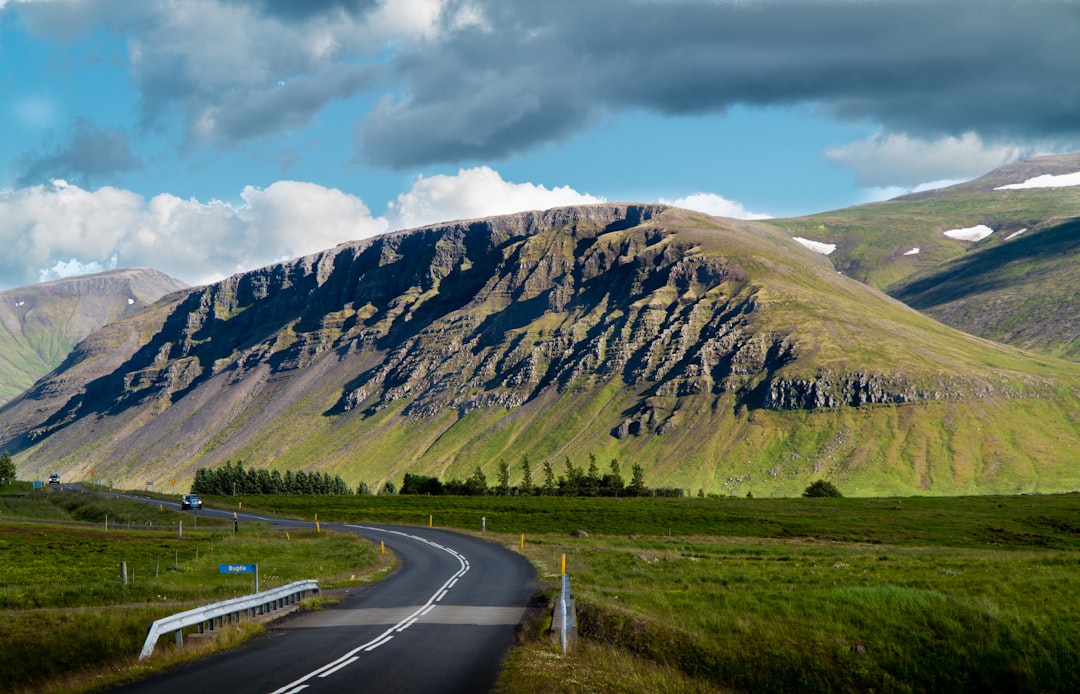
column 385, row 637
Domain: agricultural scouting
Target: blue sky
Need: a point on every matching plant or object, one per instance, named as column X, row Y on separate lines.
column 206, row 137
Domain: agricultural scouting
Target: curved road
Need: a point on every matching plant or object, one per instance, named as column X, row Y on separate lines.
column 442, row 623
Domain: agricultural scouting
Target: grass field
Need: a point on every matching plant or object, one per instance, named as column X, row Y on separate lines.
column 72, row 624
column 809, row 595
column 674, row 595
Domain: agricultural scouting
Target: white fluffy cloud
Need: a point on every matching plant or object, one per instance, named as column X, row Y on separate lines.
column 478, row 192
column 900, row 164
column 716, row 205
column 59, row 230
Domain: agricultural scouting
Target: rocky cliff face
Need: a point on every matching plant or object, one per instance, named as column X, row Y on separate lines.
column 490, row 314
column 430, row 326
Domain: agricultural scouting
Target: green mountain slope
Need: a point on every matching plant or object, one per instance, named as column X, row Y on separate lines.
column 1024, row 291
column 892, row 244
column 39, row 324
column 718, row 354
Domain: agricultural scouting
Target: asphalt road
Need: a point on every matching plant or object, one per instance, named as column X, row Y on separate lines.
column 443, row 622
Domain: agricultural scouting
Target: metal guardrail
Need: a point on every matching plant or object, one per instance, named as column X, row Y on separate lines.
column 220, row 613
column 564, row 620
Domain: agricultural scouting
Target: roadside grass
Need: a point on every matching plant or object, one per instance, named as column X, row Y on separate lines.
column 815, row 615
column 1048, row 521
column 688, row 595
column 777, row 595
column 70, row 623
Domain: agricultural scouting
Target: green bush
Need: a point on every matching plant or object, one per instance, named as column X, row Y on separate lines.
column 822, row 488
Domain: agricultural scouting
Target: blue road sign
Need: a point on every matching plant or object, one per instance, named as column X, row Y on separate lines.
column 237, row 568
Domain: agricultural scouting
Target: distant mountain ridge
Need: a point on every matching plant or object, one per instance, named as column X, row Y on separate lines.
column 720, row 354
column 40, row 323
column 1019, row 285
column 1010, row 174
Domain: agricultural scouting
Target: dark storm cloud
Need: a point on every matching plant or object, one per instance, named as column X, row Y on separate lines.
column 467, row 80
column 89, row 154
column 542, row 71
column 290, row 104
column 303, row 9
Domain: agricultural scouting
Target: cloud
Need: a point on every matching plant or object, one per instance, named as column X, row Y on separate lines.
column 478, row 192
column 457, row 81
column 54, row 230
column 713, row 204
column 548, row 70
column 74, row 268
column 59, row 229
column 90, row 153
column 904, row 161
column 880, row 193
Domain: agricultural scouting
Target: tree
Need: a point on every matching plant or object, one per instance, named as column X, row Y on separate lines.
column 476, row 485
column 637, row 481
column 363, row 489
column 7, row 468
column 822, row 488
column 574, row 482
column 549, row 479
column 388, row 489
column 421, row 484
column 591, row 483
column 526, row 477
column 503, row 486
column 613, row 484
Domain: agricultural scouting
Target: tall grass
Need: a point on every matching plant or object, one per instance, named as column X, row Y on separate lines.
column 815, row 615
column 67, row 611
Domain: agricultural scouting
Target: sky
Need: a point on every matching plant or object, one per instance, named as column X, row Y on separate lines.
column 207, row 137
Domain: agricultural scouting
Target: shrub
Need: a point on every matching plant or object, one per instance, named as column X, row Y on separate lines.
column 822, row 488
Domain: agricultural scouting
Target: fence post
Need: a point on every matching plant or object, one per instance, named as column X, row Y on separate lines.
column 564, row 619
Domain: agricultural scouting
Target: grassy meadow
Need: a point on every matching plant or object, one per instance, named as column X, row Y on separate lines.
column 759, row 595
column 673, row 595
column 71, row 624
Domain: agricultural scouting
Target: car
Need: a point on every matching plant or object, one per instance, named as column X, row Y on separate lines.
column 54, row 479
column 190, row 501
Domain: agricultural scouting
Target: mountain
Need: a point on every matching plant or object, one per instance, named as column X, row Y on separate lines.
column 1023, row 290
column 719, row 354
column 39, row 324
column 1017, row 283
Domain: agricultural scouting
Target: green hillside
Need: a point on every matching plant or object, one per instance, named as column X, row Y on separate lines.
column 39, row 324
column 1023, row 291
column 1018, row 285
column 719, row 355
column 872, row 240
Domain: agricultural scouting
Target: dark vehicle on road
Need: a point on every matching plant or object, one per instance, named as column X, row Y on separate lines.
column 54, row 479
column 190, row 501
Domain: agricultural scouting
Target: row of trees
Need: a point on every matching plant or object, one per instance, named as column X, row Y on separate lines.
column 231, row 478
column 574, row 481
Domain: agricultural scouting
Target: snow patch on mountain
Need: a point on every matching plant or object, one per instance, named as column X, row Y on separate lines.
column 1045, row 181
column 975, row 233
column 817, row 246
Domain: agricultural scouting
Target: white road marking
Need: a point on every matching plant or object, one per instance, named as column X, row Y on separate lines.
column 350, row 661
column 372, row 647
column 350, row 657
